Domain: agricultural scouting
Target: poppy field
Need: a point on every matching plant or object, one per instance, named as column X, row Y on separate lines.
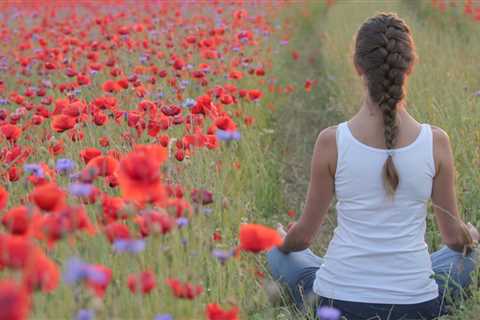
column 147, row 148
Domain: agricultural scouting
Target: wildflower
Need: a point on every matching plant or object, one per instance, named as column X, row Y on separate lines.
column 105, row 165
column 222, row 255
column 64, row 166
column 80, row 189
column 182, row 222
column 61, row 123
column 215, row 312
column 77, row 270
column 85, row 314
column 145, row 282
column 34, row 169
column 189, row 103
column 227, row 135
column 328, row 313
column 129, row 245
column 139, row 174
column 3, row 198
column 201, row 196
column 184, row 290
column 48, row 197
column 41, row 273
column 15, row 301
column 154, row 221
column 256, row 238
column 16, row 220
column 164, row 316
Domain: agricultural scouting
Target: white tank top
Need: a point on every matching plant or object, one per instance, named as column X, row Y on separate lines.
column 378, row 252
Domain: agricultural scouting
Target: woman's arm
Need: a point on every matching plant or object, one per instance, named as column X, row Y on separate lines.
column 320, row 193
column 455, row 234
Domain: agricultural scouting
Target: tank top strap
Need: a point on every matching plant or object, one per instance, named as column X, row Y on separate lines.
column 427, row 143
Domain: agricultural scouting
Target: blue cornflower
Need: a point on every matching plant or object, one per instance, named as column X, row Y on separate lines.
column 477, row 94
column 85, row 314
column 129, row 245
column 164, row 316
column 222, row 255
column 34, row 169
column 78, row 270
column 64, row 166
column 3, row 102
column 80, row 189
column 189, row 103
column 328, row 313
column 182, row 222
column 227, row 135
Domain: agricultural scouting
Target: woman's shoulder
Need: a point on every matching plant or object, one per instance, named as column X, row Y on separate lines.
column 327, row 136
column 441, row 140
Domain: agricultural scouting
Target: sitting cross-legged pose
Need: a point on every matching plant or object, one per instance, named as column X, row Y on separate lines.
column 383, row 167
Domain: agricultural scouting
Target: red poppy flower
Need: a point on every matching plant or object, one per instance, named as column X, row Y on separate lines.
column 184, row 290
column 254, row 95
column 153, row 221
column 41, row 273
column 145, row 282
column 48, row 197
column 105, row 165
column 10, row 132
column 139, row 175
column 17, row 220
column 215, row 312
column 110, row 86
column 99, row 287
column 89, row 153
column 112, row 208
column 61, row 123
column 202, row 196
column 3, row 198
column 117, row 230
column 256, row 238
column 14, row 301
column 17, row 251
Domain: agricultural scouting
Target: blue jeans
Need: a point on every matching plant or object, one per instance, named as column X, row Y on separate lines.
column 297, row 271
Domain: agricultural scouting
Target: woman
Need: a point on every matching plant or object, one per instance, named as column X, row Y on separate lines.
column 383, row 166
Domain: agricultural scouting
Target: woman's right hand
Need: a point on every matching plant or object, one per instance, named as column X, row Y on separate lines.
column 474, row 233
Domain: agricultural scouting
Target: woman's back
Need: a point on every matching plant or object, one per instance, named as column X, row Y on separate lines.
column 378, row 253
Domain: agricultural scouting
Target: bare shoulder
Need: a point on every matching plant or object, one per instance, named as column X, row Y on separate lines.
column 441, row 140
column 442, row 151
column 327, row 137
column 325, row 151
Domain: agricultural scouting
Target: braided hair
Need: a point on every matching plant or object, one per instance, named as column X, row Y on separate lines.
column 385, row 52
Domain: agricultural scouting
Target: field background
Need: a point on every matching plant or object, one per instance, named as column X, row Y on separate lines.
column 274, row 156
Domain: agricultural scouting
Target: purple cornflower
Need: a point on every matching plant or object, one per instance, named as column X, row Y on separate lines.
column 182, row 222
column 328, row 313
column 284, row 42
column 189, row 103
column 64, row 166
column 80, row 189
column 129, row 245
column 78, row 270
column 222, row 255
column 477, row 94
column 164, row 316
column 85, row 314
column 227, row 135
column 34, row 169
